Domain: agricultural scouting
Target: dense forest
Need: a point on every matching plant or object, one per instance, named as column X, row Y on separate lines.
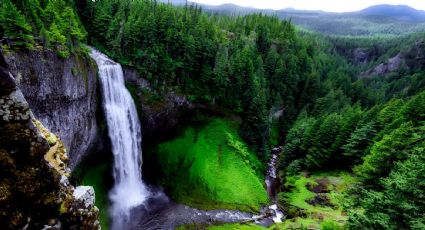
column 288, row 87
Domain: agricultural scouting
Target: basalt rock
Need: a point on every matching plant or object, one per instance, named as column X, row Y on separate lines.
column 158, row 116
column 411, row 60
column 361, row 56
column 34, row 189
column 393, row 64
column 63, row 95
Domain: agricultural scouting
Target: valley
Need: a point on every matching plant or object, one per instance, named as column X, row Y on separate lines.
column 140, row 114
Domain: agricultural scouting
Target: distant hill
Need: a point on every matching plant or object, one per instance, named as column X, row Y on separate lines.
column 400, row 12
column 374, row 20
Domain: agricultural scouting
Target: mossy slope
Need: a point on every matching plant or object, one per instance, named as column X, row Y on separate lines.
column 212, row 168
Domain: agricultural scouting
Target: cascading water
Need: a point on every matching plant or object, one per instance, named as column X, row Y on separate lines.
column 272, row 184
column 125, row 134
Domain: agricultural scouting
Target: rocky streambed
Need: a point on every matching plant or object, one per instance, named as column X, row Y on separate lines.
column 161, row 213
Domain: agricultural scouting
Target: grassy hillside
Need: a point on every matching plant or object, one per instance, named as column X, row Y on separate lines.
column 212, row 168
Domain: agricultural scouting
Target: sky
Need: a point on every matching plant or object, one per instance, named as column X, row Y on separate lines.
column 325, row 5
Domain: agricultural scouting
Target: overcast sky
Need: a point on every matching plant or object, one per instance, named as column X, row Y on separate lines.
column 326, row 5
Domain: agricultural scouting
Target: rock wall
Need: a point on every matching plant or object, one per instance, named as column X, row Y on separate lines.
column 34, row 189
column 63, row 95
column 393, row 64
column 411, row 60
column 157, row 117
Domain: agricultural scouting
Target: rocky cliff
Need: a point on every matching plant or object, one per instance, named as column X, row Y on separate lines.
column 412, row 59
column 159, row 115
column 62, row 93
column 34, row 189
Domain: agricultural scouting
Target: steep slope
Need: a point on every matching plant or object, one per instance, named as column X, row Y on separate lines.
column 217, row 168
column 34, row 189
column 411, row 60
column 63, row 95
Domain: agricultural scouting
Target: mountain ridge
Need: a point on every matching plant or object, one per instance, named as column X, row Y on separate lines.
column 381, row 19
column 402, row 12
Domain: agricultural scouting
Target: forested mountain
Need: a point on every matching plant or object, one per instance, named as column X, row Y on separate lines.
column 340, row 119
column 399, row 12
column 375, row 20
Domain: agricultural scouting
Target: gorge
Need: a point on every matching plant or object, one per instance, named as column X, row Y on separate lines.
column 138, row 114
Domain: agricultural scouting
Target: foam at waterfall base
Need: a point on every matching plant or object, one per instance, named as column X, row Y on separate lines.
column 127, row 196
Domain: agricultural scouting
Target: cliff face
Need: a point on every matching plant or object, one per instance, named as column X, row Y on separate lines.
column 62, row 93
column 34, row 189
column 158, row 116
column 410, row 60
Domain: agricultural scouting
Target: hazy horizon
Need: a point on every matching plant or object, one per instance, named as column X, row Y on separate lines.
column 324, row 5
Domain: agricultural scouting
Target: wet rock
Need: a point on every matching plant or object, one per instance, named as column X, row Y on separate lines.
column 133, row 77
column 84, row 195
column 277, row 150
column 322, row 185
column 158, row 117
column 321, row 199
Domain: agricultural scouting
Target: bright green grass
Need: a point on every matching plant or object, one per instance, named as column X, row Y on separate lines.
column 94, row 177
column 297, row 197
column 212, row 168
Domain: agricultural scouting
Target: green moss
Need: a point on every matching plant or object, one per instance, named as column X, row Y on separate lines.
column 330, row 225
column 212, row 168
column 63, row 208
column 81, row 68
column 94, row 176
column 299, row 194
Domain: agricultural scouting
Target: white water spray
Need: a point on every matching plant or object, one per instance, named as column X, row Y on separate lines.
column 125, row 134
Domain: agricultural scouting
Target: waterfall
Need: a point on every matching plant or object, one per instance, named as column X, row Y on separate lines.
column 125, row 134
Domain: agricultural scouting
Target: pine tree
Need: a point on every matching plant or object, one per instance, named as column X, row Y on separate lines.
column 358, row 142
column 15, row 26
